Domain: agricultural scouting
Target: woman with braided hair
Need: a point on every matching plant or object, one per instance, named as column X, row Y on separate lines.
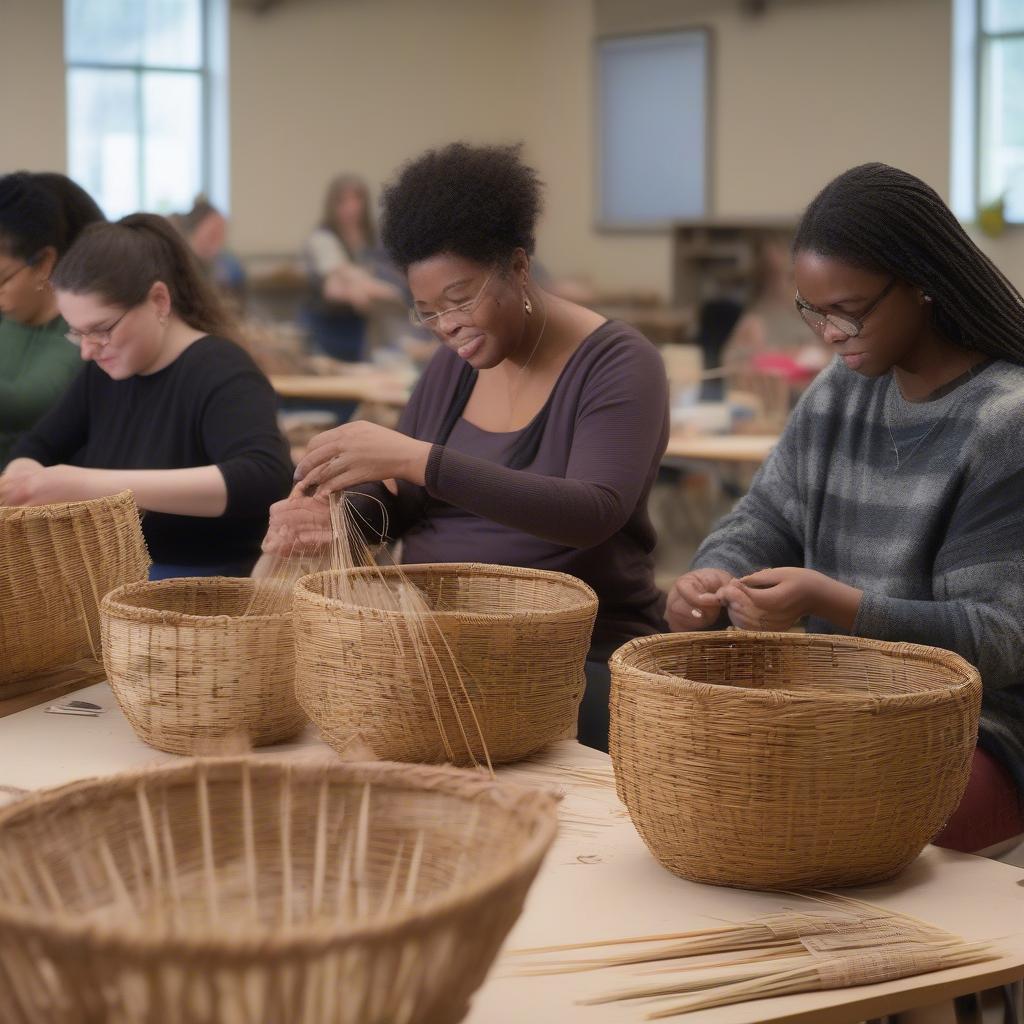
column 893, row 506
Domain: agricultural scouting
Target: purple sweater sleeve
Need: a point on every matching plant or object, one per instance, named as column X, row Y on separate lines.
column 620, row 429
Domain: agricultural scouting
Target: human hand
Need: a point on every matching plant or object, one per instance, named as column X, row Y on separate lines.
column 298, row 525
column 775, row 600
column 693, row 601
column 33, row 484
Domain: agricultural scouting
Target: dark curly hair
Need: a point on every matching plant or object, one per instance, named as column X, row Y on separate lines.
column 882, row 219
column 478, row 202
column 42, row 209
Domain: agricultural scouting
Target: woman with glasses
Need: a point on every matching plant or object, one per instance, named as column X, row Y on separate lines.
column 893, row 505
column 534, row 435
column 40, row 216
column 167, row 406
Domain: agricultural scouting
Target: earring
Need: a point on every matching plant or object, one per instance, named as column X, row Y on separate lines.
column 527, row 305
column 927, row 298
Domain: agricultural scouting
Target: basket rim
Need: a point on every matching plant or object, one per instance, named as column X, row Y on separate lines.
column 114, row 607
column 969, row 678
column 588, row 604
column 133, row 943
column 63, row 509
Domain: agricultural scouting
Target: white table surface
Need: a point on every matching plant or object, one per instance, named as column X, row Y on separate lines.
column 599, row 882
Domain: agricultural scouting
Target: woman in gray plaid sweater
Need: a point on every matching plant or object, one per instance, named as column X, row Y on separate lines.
column 893, row 505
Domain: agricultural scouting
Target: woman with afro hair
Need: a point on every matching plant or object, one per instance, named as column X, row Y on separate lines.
column 535, row 433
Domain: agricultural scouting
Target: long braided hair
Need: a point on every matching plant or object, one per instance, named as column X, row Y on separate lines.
column 879, row 218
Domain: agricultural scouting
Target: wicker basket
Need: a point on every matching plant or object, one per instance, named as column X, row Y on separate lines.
column 518, row 636
column 193, row 673
column 229, row 891
column 781, row 761
column 56, row 564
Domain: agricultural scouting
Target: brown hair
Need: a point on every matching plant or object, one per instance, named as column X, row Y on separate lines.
column 201, row 209
column 122, row 261
column 343, row 183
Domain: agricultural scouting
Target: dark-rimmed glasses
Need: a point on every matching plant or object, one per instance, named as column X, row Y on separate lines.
column 100, row 337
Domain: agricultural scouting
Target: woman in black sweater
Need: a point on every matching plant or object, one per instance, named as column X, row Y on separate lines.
column 167, row 407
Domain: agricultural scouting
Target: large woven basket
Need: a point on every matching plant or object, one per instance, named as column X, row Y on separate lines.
column 519, row 639
column 56, row 564
column 230, row 891
column 193, row 673
column 785, row 761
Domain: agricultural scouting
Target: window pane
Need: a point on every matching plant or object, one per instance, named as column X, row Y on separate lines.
column 103, row 137
column 1002, row 141
column 1003, row 15
column 653, row 109
column 162, row 32
column 173, row 118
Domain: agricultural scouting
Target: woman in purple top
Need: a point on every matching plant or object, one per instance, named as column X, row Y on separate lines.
column 534, row 435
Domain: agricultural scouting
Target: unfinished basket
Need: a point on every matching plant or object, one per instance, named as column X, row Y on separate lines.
column 57, row 562
column 519, row 639
column 230, row 891
column 192, row 671
column 779, row 761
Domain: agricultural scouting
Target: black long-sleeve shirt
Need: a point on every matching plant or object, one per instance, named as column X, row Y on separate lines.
column 211, row 406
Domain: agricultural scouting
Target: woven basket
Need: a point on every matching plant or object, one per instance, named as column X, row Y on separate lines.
column 518, row 636
column 229, row 891
column 56, row 564
column 192, row 673
column 781, row 761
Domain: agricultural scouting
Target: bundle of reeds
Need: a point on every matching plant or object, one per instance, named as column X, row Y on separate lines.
column 839, row 944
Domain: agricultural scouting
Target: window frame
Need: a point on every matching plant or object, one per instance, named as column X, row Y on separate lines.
column 212, row 75
column 967, row 158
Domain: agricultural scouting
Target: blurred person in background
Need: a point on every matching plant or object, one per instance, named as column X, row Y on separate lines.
column 350, row 276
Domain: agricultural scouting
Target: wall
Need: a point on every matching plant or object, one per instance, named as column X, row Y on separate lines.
column 32, row 85
column 319, row 86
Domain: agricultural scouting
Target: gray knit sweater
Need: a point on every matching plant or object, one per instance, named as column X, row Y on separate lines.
column 934, row 537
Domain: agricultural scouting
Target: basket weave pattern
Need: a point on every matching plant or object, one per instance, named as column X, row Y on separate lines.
column 231, row 891
column 519, row 639
column 785, row 761
column 57, row 562
column 190, row 669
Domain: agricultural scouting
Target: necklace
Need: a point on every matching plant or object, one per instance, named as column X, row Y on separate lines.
column 947, row 389
column 513, row 394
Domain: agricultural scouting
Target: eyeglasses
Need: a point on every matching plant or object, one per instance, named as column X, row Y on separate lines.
column 100, row 337
column 461, row 314
column 851, row 326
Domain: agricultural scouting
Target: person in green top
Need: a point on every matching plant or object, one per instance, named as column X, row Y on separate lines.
column 40, row 216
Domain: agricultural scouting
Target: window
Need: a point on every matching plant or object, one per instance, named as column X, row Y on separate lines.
column 145, row 102
column 988, row 107
column 653, row 127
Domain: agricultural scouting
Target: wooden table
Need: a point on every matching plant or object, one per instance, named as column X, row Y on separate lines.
column 377, row 387
column 660, row 324
column 600, row 882
column 750, row 449
column 49, row 686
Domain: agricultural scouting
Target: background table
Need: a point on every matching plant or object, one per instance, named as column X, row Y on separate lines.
column 378, row 388
column 732, row 448
column 600, row 882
